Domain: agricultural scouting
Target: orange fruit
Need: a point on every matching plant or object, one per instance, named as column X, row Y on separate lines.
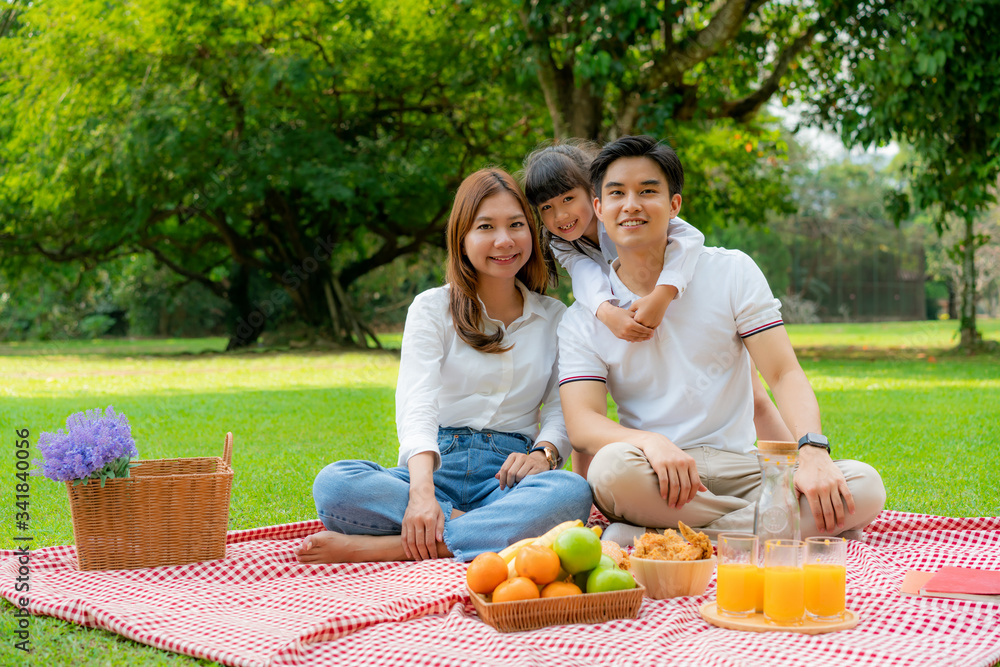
column 538, row 563
column 560, row 588
column 486, row 572
column 518, row 588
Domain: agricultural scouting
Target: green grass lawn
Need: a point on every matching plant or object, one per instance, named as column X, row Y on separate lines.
column 890, row 395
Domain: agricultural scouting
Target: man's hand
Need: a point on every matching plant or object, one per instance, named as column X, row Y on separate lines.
column 423, row 526
column 648, row 311
column 622, row 323
column 519, row 466
column 821, row 482
column 676, row 470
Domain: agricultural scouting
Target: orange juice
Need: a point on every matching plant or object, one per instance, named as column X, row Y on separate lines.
column 784, row 600
column 737, row 588
column 825, row 586
column 759, row 584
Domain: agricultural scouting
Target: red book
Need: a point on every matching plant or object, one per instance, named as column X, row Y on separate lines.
column 965, row 584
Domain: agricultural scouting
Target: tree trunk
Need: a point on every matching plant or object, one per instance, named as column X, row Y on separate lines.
column 246, row 322
column 970, row 336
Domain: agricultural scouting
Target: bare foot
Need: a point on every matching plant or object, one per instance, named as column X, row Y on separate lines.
column 331, row 547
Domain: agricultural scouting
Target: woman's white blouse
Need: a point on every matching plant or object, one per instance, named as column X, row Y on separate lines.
column 444, row 382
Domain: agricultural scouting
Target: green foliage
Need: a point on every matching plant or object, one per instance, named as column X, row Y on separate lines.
column 694, row 73
column 299, row 141
column 732, row 173
column 123, row 296
column 928, row 73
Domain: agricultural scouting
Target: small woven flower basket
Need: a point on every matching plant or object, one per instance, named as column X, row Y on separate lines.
column 167, row 512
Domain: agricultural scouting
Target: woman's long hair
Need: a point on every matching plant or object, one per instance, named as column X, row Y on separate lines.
column 550, row 171
column 466, row 309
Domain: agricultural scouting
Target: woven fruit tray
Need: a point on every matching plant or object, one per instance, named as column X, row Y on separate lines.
column 533, row 614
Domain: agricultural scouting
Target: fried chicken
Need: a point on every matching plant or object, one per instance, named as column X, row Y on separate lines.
column 699, row 540
column 671, row 546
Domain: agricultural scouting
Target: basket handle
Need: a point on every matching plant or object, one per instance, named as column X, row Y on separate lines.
column 227, row 452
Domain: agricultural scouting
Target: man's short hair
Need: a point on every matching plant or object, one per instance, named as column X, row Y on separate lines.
column 638, row 146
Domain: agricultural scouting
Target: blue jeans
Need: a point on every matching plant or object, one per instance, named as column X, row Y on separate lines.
column 363, row 498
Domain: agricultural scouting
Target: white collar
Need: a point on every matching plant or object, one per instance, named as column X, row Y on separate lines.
column 532, row 307
column 618, row 288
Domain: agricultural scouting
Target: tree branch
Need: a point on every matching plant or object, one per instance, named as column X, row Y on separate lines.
column 705, row 43
column 214, row 287
column 237, row 245
column 747, row 106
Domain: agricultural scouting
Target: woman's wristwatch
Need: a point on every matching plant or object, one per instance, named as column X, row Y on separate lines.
column 551, row 455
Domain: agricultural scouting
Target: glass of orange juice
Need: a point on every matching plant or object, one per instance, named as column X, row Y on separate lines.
column 739, row 583
column 825, row 576
column 784, row 592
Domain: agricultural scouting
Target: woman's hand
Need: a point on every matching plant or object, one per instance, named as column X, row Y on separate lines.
column 519, row 466
column 423, row 521
column 423, row 527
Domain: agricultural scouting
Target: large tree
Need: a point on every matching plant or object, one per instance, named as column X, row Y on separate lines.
column 607, row 68
column 698, row 74
column 928, row 72
column 307, row 142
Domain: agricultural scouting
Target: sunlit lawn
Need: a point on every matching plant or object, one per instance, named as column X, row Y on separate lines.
column 889, row 393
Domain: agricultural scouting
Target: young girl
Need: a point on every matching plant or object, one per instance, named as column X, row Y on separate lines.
column 557, row 183
column 478, row 416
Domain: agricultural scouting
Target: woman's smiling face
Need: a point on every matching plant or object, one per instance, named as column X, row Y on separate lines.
column 499, row 242
column 568, row 215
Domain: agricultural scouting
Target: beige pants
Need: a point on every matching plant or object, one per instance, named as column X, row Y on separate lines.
column 626, row 489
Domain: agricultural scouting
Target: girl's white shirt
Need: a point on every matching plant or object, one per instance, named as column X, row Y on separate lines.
column 445, row 382
column 589, row 268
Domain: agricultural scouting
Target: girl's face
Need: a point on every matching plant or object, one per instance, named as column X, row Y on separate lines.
column 499, row 241
column 569, row 215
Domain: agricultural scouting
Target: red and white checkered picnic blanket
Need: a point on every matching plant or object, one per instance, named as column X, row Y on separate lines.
column 259, row 606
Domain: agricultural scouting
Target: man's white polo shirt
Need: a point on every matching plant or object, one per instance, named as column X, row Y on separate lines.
column 691, row 381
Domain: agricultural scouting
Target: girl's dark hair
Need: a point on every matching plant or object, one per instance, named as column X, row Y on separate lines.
column 466, row 309
column 550, row 171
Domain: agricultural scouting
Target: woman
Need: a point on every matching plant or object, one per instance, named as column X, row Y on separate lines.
column 477, row 374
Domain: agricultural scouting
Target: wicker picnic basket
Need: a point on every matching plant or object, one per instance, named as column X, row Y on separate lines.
column 533, row 614
column 168, row 512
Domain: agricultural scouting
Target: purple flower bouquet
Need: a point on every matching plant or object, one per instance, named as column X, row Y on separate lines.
column 94, row 446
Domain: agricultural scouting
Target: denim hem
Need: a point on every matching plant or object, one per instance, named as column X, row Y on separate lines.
column 456, row 554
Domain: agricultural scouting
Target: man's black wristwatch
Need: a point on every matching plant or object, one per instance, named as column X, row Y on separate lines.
column 815, row 440
column 552, row 458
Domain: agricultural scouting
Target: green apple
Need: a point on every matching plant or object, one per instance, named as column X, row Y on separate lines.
column 579, row 549
column 604, row 579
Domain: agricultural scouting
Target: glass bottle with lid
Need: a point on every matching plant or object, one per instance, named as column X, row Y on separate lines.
column 777, row 515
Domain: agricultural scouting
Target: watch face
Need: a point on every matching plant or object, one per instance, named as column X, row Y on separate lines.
column 816, row 440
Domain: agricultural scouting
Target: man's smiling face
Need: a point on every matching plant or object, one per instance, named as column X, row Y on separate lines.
column 635, row 204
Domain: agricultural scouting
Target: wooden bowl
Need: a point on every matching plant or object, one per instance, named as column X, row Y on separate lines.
column 672, row 578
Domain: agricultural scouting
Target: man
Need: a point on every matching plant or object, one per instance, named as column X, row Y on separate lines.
column 684, row 447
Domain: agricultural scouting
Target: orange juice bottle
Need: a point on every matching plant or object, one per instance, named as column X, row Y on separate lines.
column 784, row 599
column 825, row 587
